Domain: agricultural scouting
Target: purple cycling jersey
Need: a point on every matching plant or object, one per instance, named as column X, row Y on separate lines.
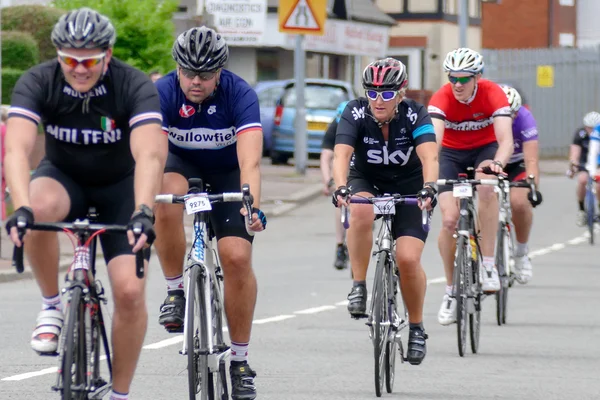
column 524, row 129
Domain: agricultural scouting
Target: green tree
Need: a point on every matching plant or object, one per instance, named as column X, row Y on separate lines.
column 19, row 50
column 145, row 29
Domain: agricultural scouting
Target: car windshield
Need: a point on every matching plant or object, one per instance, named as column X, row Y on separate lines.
column 323, row 97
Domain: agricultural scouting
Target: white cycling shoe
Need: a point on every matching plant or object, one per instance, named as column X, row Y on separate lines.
column 447, row 313
column 490, row 281
column 44, row 338
column 523, row 269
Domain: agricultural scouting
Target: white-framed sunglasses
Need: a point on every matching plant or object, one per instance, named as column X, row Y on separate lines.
column 88, row 61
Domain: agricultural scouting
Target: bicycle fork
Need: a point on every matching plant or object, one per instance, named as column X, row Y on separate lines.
column 472, row 250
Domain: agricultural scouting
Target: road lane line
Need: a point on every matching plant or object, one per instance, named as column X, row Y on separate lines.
column 178, row 339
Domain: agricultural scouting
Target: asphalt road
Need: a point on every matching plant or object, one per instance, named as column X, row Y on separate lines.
column 305, row 346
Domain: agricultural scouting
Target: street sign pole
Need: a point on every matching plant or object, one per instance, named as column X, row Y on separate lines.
column 300, row 138
column 463, row 22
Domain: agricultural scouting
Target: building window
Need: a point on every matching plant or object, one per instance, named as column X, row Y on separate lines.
column 267, row 65
column 450, row 7
column 566, row 2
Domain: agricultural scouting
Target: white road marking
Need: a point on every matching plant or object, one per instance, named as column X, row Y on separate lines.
column 315, row 310
column 178, row 339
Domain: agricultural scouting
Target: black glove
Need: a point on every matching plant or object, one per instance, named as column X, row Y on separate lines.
column 430, row 192
column 536, row 202
column 20, row 214
column 145, row 222
column 261, row 216
column 341, row 191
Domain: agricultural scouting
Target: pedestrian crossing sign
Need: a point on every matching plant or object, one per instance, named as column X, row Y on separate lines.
column 302, row 16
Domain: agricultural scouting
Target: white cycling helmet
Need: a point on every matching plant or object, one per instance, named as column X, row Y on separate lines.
column 591, row 119
column 464, row 60
column 514, row 98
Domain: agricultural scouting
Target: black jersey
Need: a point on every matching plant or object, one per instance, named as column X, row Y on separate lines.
column 582, row 139
column 372, row 155
column 329, row 138
column 87, row 134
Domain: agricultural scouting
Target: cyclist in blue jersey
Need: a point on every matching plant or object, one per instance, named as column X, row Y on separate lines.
column 593, row 159
column 212, row 119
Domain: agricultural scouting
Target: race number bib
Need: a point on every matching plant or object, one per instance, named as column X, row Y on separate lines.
column 197, row 204
column 384, row 206
column 462, row 190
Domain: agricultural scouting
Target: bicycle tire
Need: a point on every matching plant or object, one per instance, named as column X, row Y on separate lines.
column 378, row 300
column 462, row 257
column 590, row 213
column 392, row 345
column 220, row 379
column 100, row 342
column 502, row 275
column 199, row 377
column 75, row 357
column 475, row 299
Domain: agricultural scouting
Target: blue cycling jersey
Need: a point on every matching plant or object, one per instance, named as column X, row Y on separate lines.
column 206, row 134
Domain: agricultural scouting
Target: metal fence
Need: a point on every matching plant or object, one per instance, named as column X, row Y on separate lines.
column 557, row 102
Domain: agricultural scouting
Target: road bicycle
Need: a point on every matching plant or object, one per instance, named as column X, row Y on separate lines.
column 83, row 338
column 383, row 319
column 203, row 341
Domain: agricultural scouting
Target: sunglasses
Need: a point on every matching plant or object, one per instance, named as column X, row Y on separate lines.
column 87, row 62
column 191, row 74
column 386, row 95
column 460, row 79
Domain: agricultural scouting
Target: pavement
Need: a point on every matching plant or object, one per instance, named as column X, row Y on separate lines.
column 283, row 190
column 304, row 346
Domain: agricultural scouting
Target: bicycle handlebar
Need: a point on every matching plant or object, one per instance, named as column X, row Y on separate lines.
column 397, row 199
column 77, row 226
column 244, row 196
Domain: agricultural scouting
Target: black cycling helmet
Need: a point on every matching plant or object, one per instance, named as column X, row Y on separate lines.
column 385, row 74
column 200, row 49
column 83, row 28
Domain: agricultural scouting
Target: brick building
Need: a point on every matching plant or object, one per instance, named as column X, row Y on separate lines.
column 510, row 24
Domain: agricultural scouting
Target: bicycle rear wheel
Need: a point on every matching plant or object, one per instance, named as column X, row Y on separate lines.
column 379, row 322
column 463, row 257
column 74, row 361
column 590, row 205
column 220, row 378
column 200, row 380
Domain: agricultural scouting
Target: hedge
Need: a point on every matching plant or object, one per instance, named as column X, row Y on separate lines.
column 35, row 19
column 19, row 50
column 10, row 77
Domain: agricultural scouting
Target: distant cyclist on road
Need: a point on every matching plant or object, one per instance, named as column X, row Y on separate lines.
column 102, row 121
column 522, row 163
column 473, row 126
column 578, row 157
column 212, row 120
column 391, row 143
column 341, row 253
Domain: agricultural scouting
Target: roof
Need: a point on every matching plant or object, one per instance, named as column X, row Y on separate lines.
column 358, row 10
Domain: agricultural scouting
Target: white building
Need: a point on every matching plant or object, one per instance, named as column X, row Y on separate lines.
column 588, row 29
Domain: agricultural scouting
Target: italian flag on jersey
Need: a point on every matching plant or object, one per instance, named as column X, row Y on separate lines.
column 108, row 124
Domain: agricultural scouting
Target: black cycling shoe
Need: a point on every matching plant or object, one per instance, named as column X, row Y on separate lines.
column 172, row 312
column 242, row 381
column 357, row 301
column 417, row 348
column 341, row 257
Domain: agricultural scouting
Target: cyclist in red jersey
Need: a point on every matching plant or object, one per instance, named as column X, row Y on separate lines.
column 472, row 121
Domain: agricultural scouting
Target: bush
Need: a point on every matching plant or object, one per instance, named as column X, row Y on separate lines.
column 10, row 77
column 19, row 50
column 36, row 20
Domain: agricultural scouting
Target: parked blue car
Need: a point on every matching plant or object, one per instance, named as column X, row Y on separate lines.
column 268, row 93
column 322, row 97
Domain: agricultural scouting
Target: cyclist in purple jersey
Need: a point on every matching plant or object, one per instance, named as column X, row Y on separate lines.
column 522, row 163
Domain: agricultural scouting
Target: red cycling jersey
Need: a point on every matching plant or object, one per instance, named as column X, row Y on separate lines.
column 469, row 125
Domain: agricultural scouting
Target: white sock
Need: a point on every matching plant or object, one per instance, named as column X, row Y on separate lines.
column 175, row 283
column 118, row 396
column 449, row 290
column 239, row 351
column 521, row 249
column 488, row 263
column 52, row 302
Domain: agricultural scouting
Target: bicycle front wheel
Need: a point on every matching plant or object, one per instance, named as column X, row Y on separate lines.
column 380, row 322
column 199, row 377
column 74, row 362
column 590, row 204
column 463, row 257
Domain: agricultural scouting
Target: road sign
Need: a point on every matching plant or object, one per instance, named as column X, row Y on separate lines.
column 302, row 16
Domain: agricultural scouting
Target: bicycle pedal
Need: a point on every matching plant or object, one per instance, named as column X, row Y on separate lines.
column 100, row 392
column 359, row 316
column 174, row 329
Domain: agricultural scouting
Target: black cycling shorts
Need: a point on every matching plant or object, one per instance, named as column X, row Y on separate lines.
column 225, row 218
column 114, row 204
column 407, row 220
column 454, row 162
column 516, row 171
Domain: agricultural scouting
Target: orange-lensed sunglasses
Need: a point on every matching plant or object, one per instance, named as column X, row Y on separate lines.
column 88, row 62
